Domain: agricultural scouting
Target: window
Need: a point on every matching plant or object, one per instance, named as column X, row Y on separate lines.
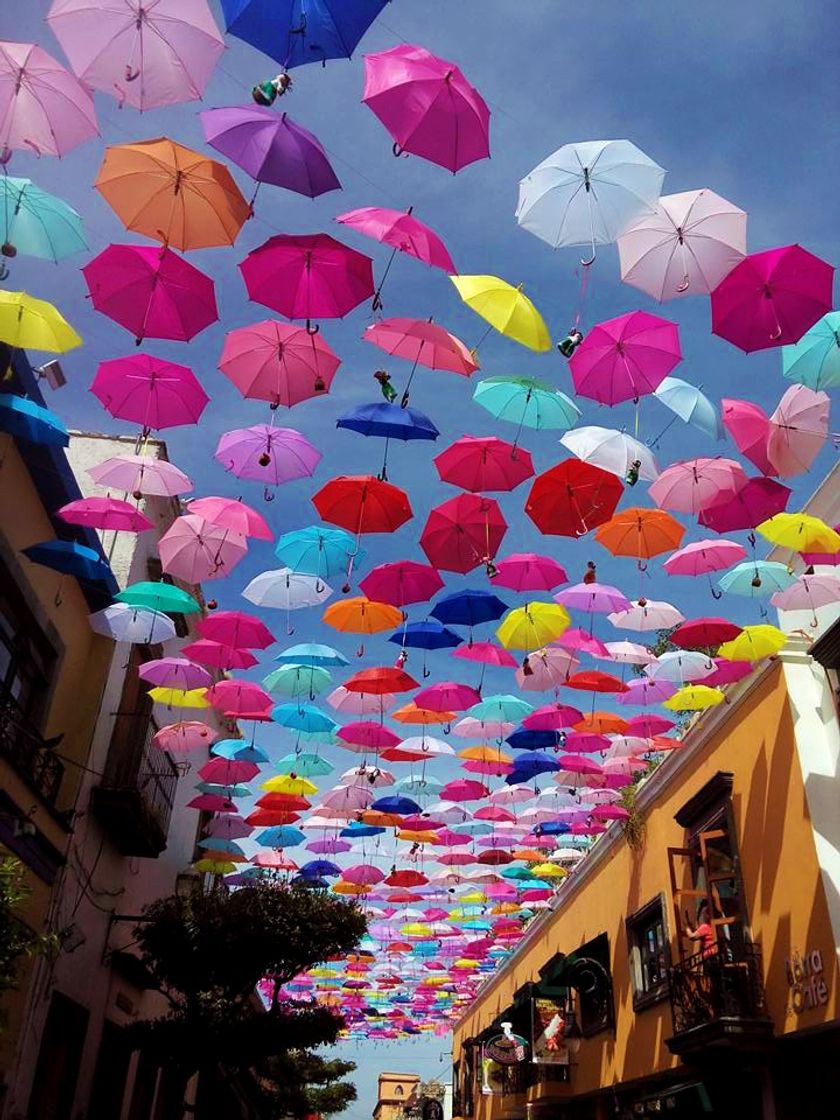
column 26, row 657
column 587, row 971
column 647, row 940
column 399, row 1091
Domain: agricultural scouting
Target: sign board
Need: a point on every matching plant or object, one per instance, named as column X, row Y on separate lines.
column 548, row 1023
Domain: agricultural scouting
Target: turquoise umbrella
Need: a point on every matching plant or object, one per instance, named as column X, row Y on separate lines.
column 419, row 788
column 303, row 717
column 239, row 750
column 319, row 551
column 229, row 792
column 815, row 359
column 38, row 224
column 304, row 765
column 24, row 419
column 219, row 844
column 504, row 708
column 298, row 680
column 527, row 403
column 756, row 579
column 311, row 653
column 473, row 828
column 163, row 597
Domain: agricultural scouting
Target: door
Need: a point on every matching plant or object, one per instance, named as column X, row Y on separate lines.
column 686, row 895
column 59, row 1057
column 109, row 1080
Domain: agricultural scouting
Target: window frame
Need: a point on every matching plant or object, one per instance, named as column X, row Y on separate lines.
column 636, row 925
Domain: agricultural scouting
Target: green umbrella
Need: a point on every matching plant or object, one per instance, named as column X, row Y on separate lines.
column 304, row 765
column 37, row 224
column 815, row 359
column 163, row 597
column 297, row 680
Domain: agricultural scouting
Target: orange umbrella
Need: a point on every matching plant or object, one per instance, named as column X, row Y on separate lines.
column 485, row 753
column 422, row 717
column 642, row 533
column 416, row 836
column 172, row 194
column 528, row 855
column 382, row 820
column 343, row 887
column 602, row 723
column 362, row 616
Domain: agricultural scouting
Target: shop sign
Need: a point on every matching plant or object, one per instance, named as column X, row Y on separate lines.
column 549, row 1045
column 506, row 1048
column 806, row 981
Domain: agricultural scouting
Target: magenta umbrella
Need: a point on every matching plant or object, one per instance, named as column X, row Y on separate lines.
column 797, row 430
column 624, row 358
column 447, row 696
column 749, row 426
column 151, row 291
column 552, row 717
column 149, row 391
column 583, row 642
column 401, row 582
column 43, row 107
column 238, row 698
column 772, row 298
column 194, row 549
column 228, row 772
column 267, row 454
column 279, row 363
column 527, row 571
column 755, row 501
column 367, row 735
column 308, row 276
column 697, row 484
column 486, row 653
column 105, row 513
column 728, row 672
column 230, row 513
column 218, row 655
column 174, row 672
column 428, row 106
column 236, row 628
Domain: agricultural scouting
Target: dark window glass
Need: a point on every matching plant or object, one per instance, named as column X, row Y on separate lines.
column 647, row 941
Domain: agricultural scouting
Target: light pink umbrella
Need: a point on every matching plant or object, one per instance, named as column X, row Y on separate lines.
column 645, row 693
column 194, row 549
column 650, row 614
column 185, row 735
column 43, row 107
column 403, row 232
column 546, row 668
column 755, row 501
column 528, row 571
column 238, row 697
column 701, row 557
column 149, row 391
column 422, row 343
column 141, row 474
column 808, row 593
column 597, row 598
column 218, row 655
column 279, row 363
column 105, row 513
column 236, row 628
column 628, row 653
column 361, row 703
column 552, row 717
column 798, row 429
column 447, row 696
column 348, row 799
column 623, row 359
column 428, row 106
column 697, row 484
column 749, row 426
column 471, row 728
column 232, row 514
column 174, row 672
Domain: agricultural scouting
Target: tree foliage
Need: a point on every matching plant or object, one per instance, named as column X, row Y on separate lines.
column 17, row 940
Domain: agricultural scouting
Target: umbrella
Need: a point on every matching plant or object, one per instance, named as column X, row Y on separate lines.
column 428, row 106
column 690, row 405
column 150, row 291
column 572, row 498
column 380, row 681
column 38, row 224
column 552, row 717
column 43, row 107
column 479, row 463
column 237, row 629
column 772, row 298
column 285, row 589
column 463, row 532
column 753, row 502
column 363, row 504
column 318, row 551
column 161, row 596
column 696, row 484
column 278, row 363
column 588, row 193
column 303, row 717
column 295, row 34
column 401, row 583
column 218, row 655
column 238, row 698
column 361, row 616
column 312, row 653
column 308, row 276
column 612, row 451
column 69, row 558
column 809, row 592
column 749, row 426
column 271, row 148
column 642, row 533
column 149, row 391
column 105, row 513
column 756, row 578
column 545, row 669
column 367, row 735
column 25, row 419
column 704, row 556
column 505, row 308
column 141, row 475
column 685, row 247
column 627, row 653
column 800, row 532
column 814, row 360
column 526, row 403
column 172, row 194
column 624, row 358
column 704, row 633
column 297, row 680
column 680, row 666
column 144, row 55
column 27, row 323
column 486, row 653
column 267, row 454
column 645, row 693
column 388, row 421
column 231, row 514
column 468, row 608
column 421, row 342
column 447, row 696
column 797, row 430
column 528, row 571
column 194, row 549
column 694, row 698
column 536, row 624
column 430, row 634
column 125, row 623
column 648, row 615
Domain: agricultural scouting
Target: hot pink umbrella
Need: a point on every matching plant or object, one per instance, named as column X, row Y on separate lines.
column 624, row 358
column 486, row 653
column 212, row 803
column 401, row 582
column 749, row 426
column 43, row 107
column 579, row 764
column 401, row 230
column 363, row 874
column 152, row 292
column 368, row 735
column 423, row 343
column 585, row 742
column 701, row 557
column 798, row 429
column 649, row 725
column 447, row 696
column 141, row 474
column 279, row 363
column 237, row 629
column 527, row 571
column 218, row 655
column 105, row 513
column 479, row 463
column 772, row 298
column 194, row 549
column 174, row 672
column 728, row 672
column 149, row 391
column 186, row 735
column 236, row 697
column 428, row 106
column 697, row 484
column 754, row 502
column 228, row 772
column 267, row 454
column 583, row 642
column 230, row 513
column 464, row 789
column 552, row 717
column 308, row 276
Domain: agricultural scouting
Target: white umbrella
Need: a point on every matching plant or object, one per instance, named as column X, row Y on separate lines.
column 652, row 615
column 286, row 590
column 424, row 746
column 680, row 666
column 685, row 247
column 125, row 623
column 611, row 450
column 629, row 653
column 588, row 193
column 692, row 406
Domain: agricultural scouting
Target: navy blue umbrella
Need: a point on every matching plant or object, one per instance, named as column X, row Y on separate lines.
column 425, row 635
column 310, row 881
column 404, row 806
column 468, row 608
column 319, row 869
column 24, row 419
column 69, row 558
column 524, row 740
column 388, row 421
column 533, row 763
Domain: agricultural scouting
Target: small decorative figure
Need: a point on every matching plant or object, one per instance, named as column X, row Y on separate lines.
column 632, row 476
column 387, row 389
column 266, row 93
column 591, row 574
column 570, row 343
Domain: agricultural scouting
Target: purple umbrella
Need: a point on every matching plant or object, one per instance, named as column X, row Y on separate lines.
column 271, row 148
column 174, row 672
column 643, row 693
column 266, row 454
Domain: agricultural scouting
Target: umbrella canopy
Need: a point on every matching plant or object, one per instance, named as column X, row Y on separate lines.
column 536, row 624
column 526, row 403
column 505, row 308
column 797, row 430
column 572, row 498
column 401, row 583
column 218, row 655
column 318, row 550
column 237, row 629
column 194, row 549
column 312, row 653
column 486, row 653
column 230, row 513
column 772, row 298
column 69, row 558
column 809, row 592
column 388, row 421
column 642, row 533
column 149, row 391
column 27, row 323
column 690, row 405
column 159, row 597
column 25, row 419
column 463, row 532
column 363, row 504
column 700, row 557
column 380, row 681
column 651, row 615
column 704, row 633
column 278, row 363
column 468, row 608
column 756, row 578
column 423, row 343
column 105, row 513
column 612, row 451
column 285, row 589
column 38, row 224
column 267, row 454
column 685, row 247
column 361, row 616
column 125, row 623
column 430, row 634
column 480, row 463
column 624, row 358
column 43, row 107
column 800, row 532
column 402, row 231
column 749, row 426
column 755, row 501
column 141, row 475
column 528, row 571
column 428, row 106
column 295, row 34
column 696, row 484
column 447, row 696
column 815, row 359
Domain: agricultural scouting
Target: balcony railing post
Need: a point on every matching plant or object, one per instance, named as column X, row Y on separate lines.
column 23, row 745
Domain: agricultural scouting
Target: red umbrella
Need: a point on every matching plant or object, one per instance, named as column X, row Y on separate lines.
column 406, row 878
column 593, row 680
column 484, row 463
column 757, row 500
column 380, row 680
column 363, row 504
column 463, row 532
column 401, row 583
column 573, row 497
column 704, row 632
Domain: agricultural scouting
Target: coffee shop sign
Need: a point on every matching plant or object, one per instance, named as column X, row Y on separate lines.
column 806, row 981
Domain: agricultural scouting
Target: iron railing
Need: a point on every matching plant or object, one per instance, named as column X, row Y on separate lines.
column 726, row 984
column 136, row 765
column 22, row 744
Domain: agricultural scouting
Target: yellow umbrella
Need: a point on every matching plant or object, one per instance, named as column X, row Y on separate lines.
column 472, row 898
column 547, row 871
column 416, row 929
column 465, row 963
column 285, row 783
column 694, row 698
column 179, row 697
column 532, row 626
column 754, row 643
column 33, row 324
column 506, row 308
column 323, row 971
column 801, row 532
column 214, row 866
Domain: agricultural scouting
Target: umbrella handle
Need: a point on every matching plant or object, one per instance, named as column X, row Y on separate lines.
column 310, row 329
column 397, row 150
column 4, row 270
column 715, row 594
column 591, row 260
column 686, row 284
column 777, row 333
column 268, row 496
column 131, row 75
column 360, row 652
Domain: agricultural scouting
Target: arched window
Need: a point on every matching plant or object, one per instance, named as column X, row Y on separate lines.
column 399, row 1091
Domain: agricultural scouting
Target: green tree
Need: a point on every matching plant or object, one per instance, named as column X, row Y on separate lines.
column 17, row 940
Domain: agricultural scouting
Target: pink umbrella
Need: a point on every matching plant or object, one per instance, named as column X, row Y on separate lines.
column 486, row 653
column 237, row 697
column 218, row 655
column 279, row 363
column 808, row 593
column 772, row 298
column 151, row 291
column 628, row 653
column 749, row 426
column 329, row 847
column 428, row 106
column 186, row 735
column 650, row 725
column 237, row 629
column 798, row 429
column 230, row 513
column 624, row 358
column 585, row 742
column 583, row 642
column 647, row 614
column 361, row 703
column 174, row 672
column 471, row 728
column 644, row 693
column 447, row 696
column 308, row 276
column 456, row 859
column 267, row 454
column 227, row 772
column 194, row 549
column 598, row 598
column 579, row 764
column 141, row 474
column 43, row 107
column 212, row 803
column 480, row 463
column 422, row 343
column 105, row 513
column 149, row 391
column 697, row 484
column 728, row 672
column 546, row 668
column 363, row 874
column 230, row 828
column 368, row 735
column 552, row 717
column 464, row 789
column 527, row 571
column 401, row 582
column 755, row 501
column 704, row 556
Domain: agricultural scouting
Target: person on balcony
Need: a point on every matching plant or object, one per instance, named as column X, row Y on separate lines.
column 704, row 933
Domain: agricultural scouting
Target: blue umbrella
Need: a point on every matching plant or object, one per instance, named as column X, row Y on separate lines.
column 295, row 32
column 315, row 882
column 357, row 830
column 311, row 653
column 533, row 763
column 468, row 608
column 303, row 717
column 524, row 740
column 319, row 551
column 280, row 836
column 239, row 750
column 219, row 844
column 403, row 806
column 425, row 635
column 24, row 419
column 389, row 421
column 320, row 868
column 69, row 558
column 756, row 578
column 552, row 828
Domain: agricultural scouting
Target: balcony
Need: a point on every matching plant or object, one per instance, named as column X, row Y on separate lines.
column 22, row 745
column 135, row 797
column 718, row 1004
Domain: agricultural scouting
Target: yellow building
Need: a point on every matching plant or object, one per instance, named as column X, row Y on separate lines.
column 395, row 1092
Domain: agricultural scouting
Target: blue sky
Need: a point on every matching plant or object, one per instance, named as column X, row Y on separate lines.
column 733, row 97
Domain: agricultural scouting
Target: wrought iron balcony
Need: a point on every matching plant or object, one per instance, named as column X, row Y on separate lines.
column 23, row 746
column 718, row 1002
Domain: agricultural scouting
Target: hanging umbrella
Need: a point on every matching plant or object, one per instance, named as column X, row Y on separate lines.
column 149, row 391
column 690, row 405
column 194, row 549
column 271, row 148
column 505, row 308
column 814, row 361
column 160, row 596
column 105, row 513
column 479, row 463
column 236, row 698
column 486, row 653
column 237, row 629
column 361, row 616
column 536, row 624
column 217, row 655
column 151, row 292
column 749, row 426
column 680, row 666
column 704, row 633
column 624, row 358
column 545, row 669
column 642, row 533
column 146, row 56
column 231, row 514
column 753, row 502
column 526, row 403
column 27, row 323
column 312, row 653
column 24, row 419
column 428, row 106
column 447, row 696
column 124, row 623
column 468, row 608
column 421, row 342
column 797, row 430
column 43, row 107
column 463, row 532
column 302, row 717
column 572, row 498
column 685, row 247
column 363, row 504
column 756, row 578
column 297, row 681
column 267, row 454
column 366, row 735
column 141, row 475
column 318, row 551
column 694, row 698
column 38, row 224
column 401, row 583
column 388, row 421
column 808, row 592
column 380, row 681
column 800, row 532
column 278, row 363
column 701, row 557
column 285, row 589
column 697, row 484
column 627, row 653
column 772, row 298
column 69, row 558
column 651, row 614
column 612, row 451
column 297, row 33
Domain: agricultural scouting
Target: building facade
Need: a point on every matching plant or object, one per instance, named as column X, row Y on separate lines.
column 395, row 1093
